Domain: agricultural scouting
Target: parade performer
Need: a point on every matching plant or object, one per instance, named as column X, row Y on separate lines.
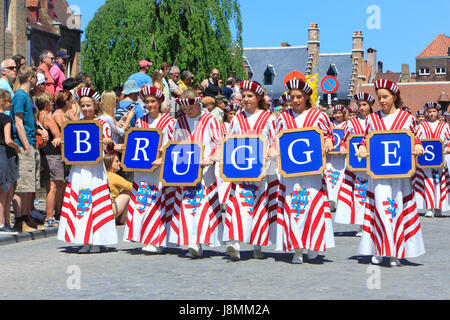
column 335, row 162
column 196, row 218
column 352, row 197
column 391, row 224
column 304, row 219
column 431, row 185
column 421, row 115
column 150, row 208
column 230, row 112
column 352, row 113
column 87, row 215
column 247, row 218
column 285, row 101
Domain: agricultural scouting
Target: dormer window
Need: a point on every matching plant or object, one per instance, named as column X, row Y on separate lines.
column 269, row 75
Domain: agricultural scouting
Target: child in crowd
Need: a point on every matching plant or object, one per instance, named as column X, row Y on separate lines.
column 8, row 165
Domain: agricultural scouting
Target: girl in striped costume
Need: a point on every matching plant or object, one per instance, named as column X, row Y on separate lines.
column 335, row 162
column 304, row 218
column 430, row 185
column 351, row 203
column 247, row 218
column 391, row 223
column 196, row 218
column 151, row 204
column 87, row 215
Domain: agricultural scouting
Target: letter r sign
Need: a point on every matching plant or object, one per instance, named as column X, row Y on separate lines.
column 82, row 142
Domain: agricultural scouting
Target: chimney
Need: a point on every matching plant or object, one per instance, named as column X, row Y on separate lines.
column 380, row 67
column 285, row 44
column 313, row 45
column 404, row 77
column 358, row 56
column 372, row 62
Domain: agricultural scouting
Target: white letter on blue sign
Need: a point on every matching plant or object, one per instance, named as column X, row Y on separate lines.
column 308, row 153
column 429, row 152
column 139, row 148
column 249, row 160
column 356, row 146
column 387, row 153
column 175, row 160
column 85, row 141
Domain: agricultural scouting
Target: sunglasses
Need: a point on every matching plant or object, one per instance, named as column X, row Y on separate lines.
column 11, row 68
column 51, row 58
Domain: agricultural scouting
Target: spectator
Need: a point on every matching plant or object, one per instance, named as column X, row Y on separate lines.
column 20, row 63
column 64, row 103
column 9, row 73
column 208, row 104
column 185, row 81
column 129, row 102
column 119, row 188
column 24, row 135
column 106, row 113
column 221, row 103
column 141, row 77
column 229, row 88
column 68, row 84
column 59, row 69
column 47, row 60
column 236, row 98
column 83, row 77
column 175, row 90
column 40, row 85
column 211, row 85
column 157, row 79
column 8, row 166
column 165, row 69
column 199, row 89
column 52, row 163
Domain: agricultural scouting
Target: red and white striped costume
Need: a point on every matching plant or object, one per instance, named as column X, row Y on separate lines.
column 304, row 218
column 334, row 173
column 150, row 207
column 352, row 196
column 431, row 185
column 248, row 218
column 391, row 223
column 196, row 216
column 87, row 216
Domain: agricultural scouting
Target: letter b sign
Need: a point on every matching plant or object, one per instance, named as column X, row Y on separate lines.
column 82, row 142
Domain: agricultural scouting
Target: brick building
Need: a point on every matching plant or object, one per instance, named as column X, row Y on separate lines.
column 433, row 63
column 30, row 26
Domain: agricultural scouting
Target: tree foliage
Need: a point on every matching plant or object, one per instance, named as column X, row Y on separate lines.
column 195, row 35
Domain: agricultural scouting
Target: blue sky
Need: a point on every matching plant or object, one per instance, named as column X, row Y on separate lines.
column 400, row 31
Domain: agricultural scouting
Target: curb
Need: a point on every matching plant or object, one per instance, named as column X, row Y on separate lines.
column 28, row 236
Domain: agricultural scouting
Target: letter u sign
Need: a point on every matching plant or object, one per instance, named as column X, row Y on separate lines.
column 391, row 154
column 243, row 158
column 301, row 152
column 181, row 164
column 82, row 142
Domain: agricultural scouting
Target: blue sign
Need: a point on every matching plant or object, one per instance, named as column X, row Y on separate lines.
column 301, row 152
column 243, row 158
column 338, row 133
column 181, row 164
column 434, row 158
column 82, row 142
column 391, row 154
column 353, row 162
column 142, row 146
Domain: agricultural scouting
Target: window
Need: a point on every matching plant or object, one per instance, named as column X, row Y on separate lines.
column 424, row 71
column 6, row 14
column 269, row 75
column 441, row 70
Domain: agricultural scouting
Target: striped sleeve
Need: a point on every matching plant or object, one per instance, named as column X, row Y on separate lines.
column 325, row 124
column 216, row 135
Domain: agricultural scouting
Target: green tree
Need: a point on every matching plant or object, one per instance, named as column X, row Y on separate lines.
column 195, row 35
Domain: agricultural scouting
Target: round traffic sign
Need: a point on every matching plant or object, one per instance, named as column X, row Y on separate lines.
column 329, row 84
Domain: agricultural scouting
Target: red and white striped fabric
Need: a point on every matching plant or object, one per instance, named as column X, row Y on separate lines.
column 151, row 204
column 87, row 215
column 252, row 206
column 87, row 92
column 152, row 91
column 334, row 174
column 252, row 86
column 352, row 196
column 391, row 223
column 388, row 85
column 430, row 185
column 196, row 215
column 304, row 219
